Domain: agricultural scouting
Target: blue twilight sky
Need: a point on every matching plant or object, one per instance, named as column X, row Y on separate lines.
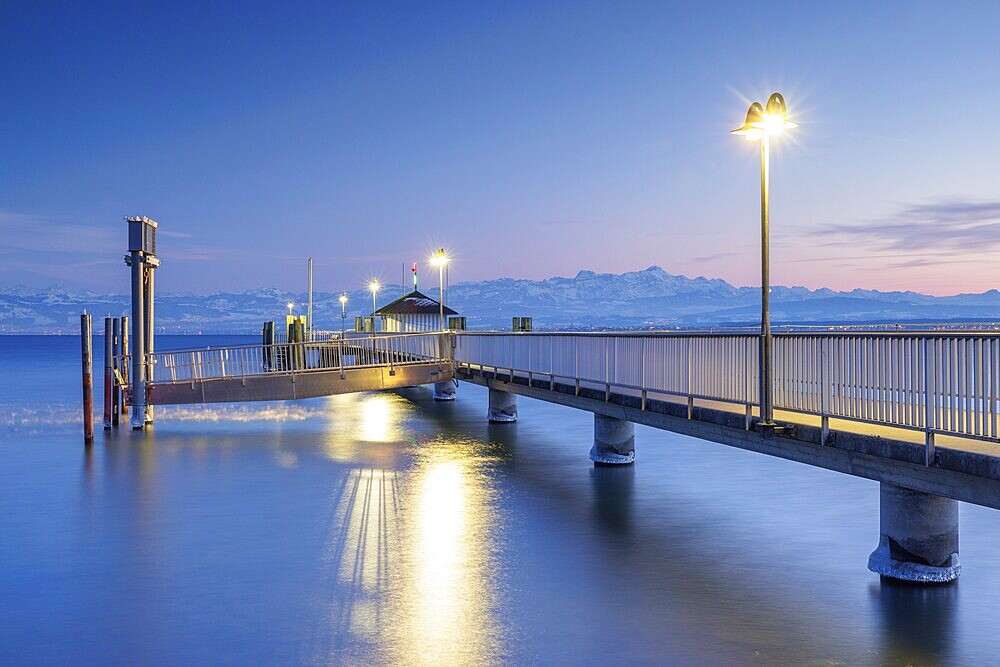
column 530, row 139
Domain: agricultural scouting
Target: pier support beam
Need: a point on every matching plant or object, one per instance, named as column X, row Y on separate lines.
column 614, row 441
column 919, row 536
column 444, row 391
column 503, row 407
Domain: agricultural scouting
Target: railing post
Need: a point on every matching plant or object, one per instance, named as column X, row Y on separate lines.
column 552, row 368
column 528, row 339
column 642, row 372
column 747, row 386
column 690, row 370
column 929, row 420
column 824, row 400
column 340, row 356
column 607, row 379
column 576, row 363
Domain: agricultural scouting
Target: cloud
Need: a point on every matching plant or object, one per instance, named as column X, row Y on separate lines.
column 715, row 256
column 934, row 228
column 55, row 234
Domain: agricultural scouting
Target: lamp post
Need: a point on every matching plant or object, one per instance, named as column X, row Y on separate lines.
column 290, row 306
column 374, row 287
column 439, row 260
column 761, row 124
column 343, row 313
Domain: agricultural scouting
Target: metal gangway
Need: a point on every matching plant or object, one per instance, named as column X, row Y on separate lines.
column 286, row 371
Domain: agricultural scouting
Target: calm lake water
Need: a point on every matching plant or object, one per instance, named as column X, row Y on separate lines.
column 384, row 528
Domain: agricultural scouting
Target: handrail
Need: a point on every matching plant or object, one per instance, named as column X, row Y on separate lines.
column 937, row 383
column 242, row 361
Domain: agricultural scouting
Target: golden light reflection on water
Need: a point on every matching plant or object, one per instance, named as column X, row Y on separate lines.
column 367, row 429
column 410, row 545
column 447, row 593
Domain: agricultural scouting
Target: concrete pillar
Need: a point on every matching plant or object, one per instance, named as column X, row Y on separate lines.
column 503, row 407
column 919, row 536
column 444, row 391
column 614, row 441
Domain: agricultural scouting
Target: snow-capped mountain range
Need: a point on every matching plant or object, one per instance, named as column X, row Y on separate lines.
column 648, row 298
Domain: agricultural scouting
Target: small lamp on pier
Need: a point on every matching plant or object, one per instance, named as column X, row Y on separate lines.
column 343, row 313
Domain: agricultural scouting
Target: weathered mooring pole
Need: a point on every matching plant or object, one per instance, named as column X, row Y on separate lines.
column 116, row 350
column 87, row 354
column 142, row 259
column 123, row 351
column 109, row 339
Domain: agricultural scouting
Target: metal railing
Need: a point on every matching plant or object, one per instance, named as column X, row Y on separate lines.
column 938, row 383
column 243, row 361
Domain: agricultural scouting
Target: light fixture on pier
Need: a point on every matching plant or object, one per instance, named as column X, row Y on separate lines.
column 374, row 288
column 763, row 122
column 440, row 259
column 343, row 312
column 290, row 306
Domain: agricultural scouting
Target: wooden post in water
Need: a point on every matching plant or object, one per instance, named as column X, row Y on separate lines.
column 123, row 351
column 88, row 378
column 109, row 335
column 116, row 350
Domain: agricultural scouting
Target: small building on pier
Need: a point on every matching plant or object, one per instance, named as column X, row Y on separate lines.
column 412, row 312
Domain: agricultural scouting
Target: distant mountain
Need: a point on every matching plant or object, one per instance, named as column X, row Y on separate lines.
column 648, row 298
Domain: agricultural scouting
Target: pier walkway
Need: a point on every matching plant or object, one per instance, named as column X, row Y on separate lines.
column 286, row 371
column 918, row 412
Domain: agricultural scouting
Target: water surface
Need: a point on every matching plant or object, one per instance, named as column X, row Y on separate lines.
column 385, row 528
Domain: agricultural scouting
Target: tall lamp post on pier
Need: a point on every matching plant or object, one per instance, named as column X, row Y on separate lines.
column 343, row 313
column 374, row 288
column 440, row 259
column 761, row 124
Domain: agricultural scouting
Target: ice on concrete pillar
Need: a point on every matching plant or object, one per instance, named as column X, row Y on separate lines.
column 614, row 441
column 919, row 536
column 444, row 391
column 503, row 407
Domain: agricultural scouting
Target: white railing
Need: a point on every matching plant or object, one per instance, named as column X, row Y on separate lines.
column 946, row 383
column 249, row 360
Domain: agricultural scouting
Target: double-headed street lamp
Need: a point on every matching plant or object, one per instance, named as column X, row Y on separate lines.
column 439, row 259
column 763, row 122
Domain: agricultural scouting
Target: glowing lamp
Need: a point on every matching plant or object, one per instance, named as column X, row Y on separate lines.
column 439, row 258
column 751, row 130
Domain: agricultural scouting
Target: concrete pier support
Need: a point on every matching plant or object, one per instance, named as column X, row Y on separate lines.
column 919, row 536
column 503, row 407
column 614, row 441
column 444, row 391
